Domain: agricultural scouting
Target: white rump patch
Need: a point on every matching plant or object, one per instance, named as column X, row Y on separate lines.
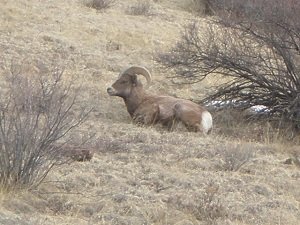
column 207, row 122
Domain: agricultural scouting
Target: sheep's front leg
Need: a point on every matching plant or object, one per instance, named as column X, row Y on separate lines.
column 147, row 114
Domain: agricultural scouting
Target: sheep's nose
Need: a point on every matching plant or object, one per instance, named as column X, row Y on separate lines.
column 110, row 90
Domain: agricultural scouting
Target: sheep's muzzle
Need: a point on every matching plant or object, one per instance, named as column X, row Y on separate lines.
column 111, row 91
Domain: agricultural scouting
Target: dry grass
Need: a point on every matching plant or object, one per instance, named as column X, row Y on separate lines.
column 232, row 123
column 100, row 4
column 140, row 8
column 197, row 7
column 139, row 175
column 234, row 156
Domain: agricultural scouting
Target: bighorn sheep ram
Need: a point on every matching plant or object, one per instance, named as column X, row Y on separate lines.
column 150, row 109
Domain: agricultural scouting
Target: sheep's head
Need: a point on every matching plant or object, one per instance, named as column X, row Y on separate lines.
column 127, row 80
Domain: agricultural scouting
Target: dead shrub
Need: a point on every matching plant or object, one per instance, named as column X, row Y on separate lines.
column 234, row 156
column 100, row 4
column 143, row 8
column 37, row 112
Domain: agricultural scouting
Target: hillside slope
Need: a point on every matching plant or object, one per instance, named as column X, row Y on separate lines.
column 139, row 175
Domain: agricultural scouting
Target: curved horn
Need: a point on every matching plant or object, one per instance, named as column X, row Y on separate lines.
column 138, row 70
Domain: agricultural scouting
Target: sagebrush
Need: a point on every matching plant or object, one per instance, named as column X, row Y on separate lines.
column 100, row 4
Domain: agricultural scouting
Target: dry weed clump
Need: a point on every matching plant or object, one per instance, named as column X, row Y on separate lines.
column 205, row 206
column 77, row 153
column 60, row 205
column 109, row 145
column 294, row 157
column 234, row 156
column 100, row 4
column 140, row 8
column 210, row 207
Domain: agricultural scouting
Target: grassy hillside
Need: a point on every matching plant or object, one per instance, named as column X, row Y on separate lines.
column 139, row 175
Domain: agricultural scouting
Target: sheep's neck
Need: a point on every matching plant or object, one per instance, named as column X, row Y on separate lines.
column 134, row 100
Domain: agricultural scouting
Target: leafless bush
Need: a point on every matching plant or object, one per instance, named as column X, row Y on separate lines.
column 140, row 8
column 234, row 156
column 100, row 4
column 257, row 49
column 36, row 115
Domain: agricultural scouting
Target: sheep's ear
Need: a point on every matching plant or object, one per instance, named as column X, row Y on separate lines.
column 134, row 80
